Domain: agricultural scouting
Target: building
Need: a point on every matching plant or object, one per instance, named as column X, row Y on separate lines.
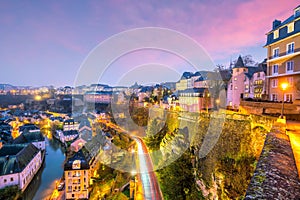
column 102, row 97
column 28, row 127
column 70, row 124
column 283, row 49
column 85, row 129
column 77, row 175
column 246, row 82
column 67, row 136
column 34, row 137
column 194, row 99
column 5, row 132
column 77, row 144
column 18, row 164
column 185, row 81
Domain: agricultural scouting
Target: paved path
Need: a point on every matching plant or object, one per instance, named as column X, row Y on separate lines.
column 293, row 130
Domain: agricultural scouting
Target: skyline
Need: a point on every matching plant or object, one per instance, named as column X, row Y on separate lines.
column 45, row 43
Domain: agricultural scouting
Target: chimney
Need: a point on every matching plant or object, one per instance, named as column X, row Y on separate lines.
column 276, row 23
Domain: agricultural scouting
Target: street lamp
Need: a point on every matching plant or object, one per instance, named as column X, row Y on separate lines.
column 284, row 86
column 218, row 103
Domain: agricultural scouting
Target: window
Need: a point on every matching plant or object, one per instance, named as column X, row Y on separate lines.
column 274, row 97
column 11, row 179
column 245, row 78
column 275, row 52
column 290, row 48
column 258, row 74
column 235, row 87
column 290, row 27
column 289, row 66
column 246, row 87
column 275, row 69
column 288, row 97
column 276, row 34
column 235, row 78
column 5, row 180
column 231, row 87
column 237, row 70
column 290, row 81
column 274, row 83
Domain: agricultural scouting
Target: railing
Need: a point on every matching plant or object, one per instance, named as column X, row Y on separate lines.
column 284, row 54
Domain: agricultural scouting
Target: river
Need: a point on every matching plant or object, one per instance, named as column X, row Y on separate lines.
column 43, row 184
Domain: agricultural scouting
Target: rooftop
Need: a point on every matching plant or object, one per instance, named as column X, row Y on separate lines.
column 15, row 157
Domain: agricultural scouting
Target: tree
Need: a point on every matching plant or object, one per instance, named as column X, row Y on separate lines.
column 177, row 180
column 248, row 60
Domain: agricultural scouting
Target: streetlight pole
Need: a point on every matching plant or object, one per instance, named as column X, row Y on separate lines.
column 283, row 87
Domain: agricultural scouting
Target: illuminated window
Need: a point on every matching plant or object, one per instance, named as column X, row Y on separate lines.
column 276, row 34
column 76, row 164
column 274, row 97
column 235, row 78
column 235, row 88
column 290, row 27
column 288, row 97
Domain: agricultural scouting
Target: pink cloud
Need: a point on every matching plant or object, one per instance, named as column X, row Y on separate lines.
column 251, row 21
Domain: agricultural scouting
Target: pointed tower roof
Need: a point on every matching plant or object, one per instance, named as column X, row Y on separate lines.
column 239, row 63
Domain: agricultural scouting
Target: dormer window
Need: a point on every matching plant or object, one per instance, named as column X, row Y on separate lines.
column 290, row 27
column 276, row 34
column 297, row 11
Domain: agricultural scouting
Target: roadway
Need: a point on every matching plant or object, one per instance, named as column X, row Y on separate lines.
column 146, row 176
column 147, row 185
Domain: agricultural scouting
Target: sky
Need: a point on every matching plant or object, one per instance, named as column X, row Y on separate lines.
column 47, row 42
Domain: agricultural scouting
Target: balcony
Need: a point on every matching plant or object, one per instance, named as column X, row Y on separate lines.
column 284, row 56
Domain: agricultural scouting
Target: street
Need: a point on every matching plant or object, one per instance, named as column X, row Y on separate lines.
column 146, row 175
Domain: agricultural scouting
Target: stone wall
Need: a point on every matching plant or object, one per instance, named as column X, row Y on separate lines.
column 275, row 176
column 250, row 107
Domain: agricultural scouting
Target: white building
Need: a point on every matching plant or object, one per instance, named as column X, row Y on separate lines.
column 70, row 124
column 19, row 164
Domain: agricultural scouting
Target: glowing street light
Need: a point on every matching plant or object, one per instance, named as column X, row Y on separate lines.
column 218, row 103
column 38, row 97
column 283, row 86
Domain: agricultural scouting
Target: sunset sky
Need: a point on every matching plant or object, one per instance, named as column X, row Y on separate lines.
column 45, row 42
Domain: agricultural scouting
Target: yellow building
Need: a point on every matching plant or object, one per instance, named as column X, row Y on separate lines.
column 283, row 46
column 77, row 175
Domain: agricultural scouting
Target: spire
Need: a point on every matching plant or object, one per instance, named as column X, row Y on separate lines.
column 239, row 63
column 230, row 64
